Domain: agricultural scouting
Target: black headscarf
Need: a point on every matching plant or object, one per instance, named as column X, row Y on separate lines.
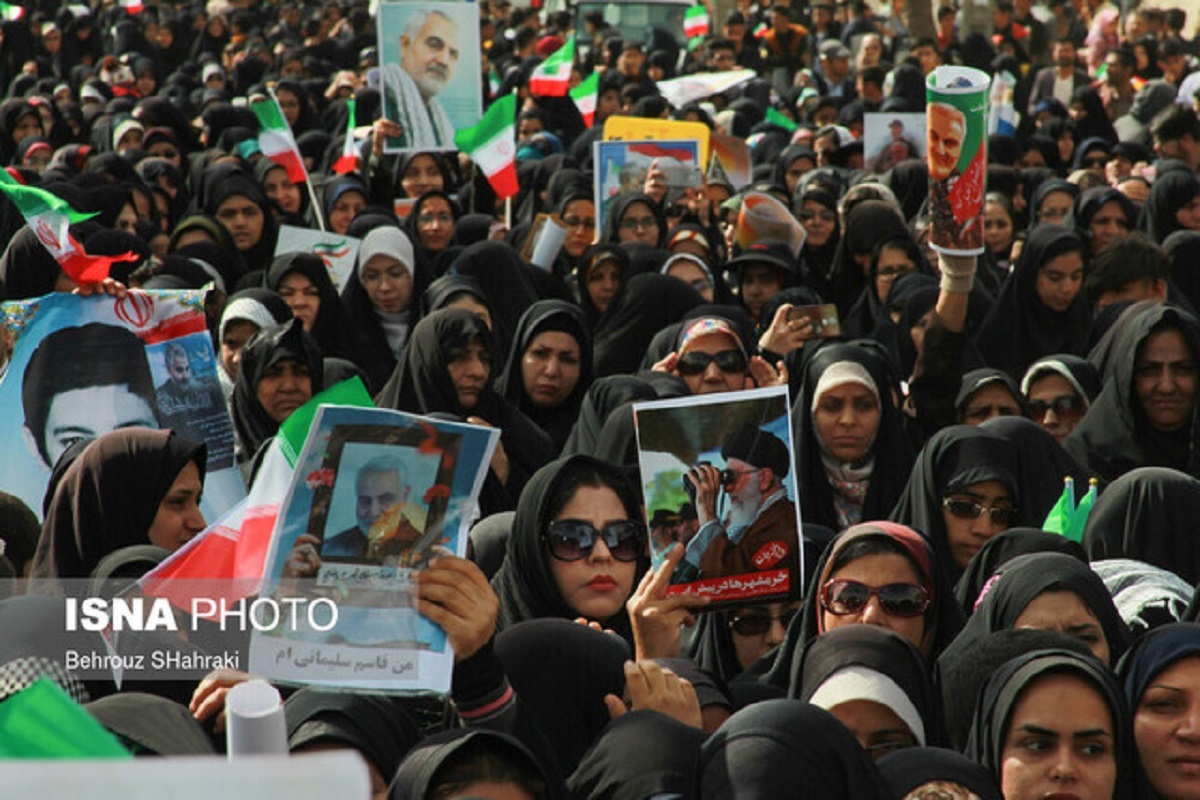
column 446, row 289
column 1004, row 547
column 1171, row 192
column 640, row 755
column 781, row 748
column 644, row 305
column 426, row 257
column 108, row 498
column 421, row 384
column 331, row 327
column 554, row 665
column 891, row 453
column 233, row 183
column 1088, row 202
column 374, row 725
column 506, row 284
column 817, row 262
column 254, row 426
column 543, row 316
column 1115, row 436
column 604, row 397
column 421, row 770
column 868, row 223
column 616, row 212
column 1042, row 464
column 1184, row 249
column 524, row 582
column 152, row 725
column 911, row 769
column 1003, row 691
column 878, row 650
column 1020, row 328
column 952, row 459
column 1143, row 515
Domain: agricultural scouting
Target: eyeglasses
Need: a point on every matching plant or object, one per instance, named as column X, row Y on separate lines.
column 633, row 223
column 695, row 362
column 827, row 216
column 758, row 624
column 843, row 598
column 1067, row 405
column 574, row 539
column 580, row 222
column 969, row 509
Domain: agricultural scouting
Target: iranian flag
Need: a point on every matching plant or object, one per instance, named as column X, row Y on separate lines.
column 276, row 140
column 491, row 144
column 10, row 13
column 233, row 550
column 348, row 162
column 50, row 217
column 585, row 95
column 132, row 6
column 550, row 78
column 695, row 22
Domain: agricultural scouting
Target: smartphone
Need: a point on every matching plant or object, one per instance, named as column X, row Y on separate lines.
column 823, row 317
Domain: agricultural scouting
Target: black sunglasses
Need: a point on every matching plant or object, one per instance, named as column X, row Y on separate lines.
column 1067, row 405
column 843, row 598
column 969, row 509
column 754, row 624
column 695, row 362
column 574, row 539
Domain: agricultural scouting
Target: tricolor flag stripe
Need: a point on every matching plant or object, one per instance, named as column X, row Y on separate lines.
column 658, row 151
column 552, row 77
column 132, row 6
column 348, row 162
column 276, row 140
column 10, row 13
column 491, row 144
column 585, row 95
column 695, row 22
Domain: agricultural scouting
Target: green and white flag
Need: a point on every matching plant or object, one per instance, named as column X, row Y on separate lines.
column 492, row 145
column 276, row 140
column 10, row 13
column 552, row 76
column 695, row 22
column 585, row 95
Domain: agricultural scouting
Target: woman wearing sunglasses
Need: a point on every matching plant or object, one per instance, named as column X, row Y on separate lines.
column 962, row 492
column 577, row 547
column 1059, row 389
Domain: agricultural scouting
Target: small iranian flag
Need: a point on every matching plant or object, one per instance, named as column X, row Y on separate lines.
column 276, row 140
column 550, row 78
column 585, row 95
column 10, row 13
column 760, row 30
column 776, row 117
column 695, row 22
column 348, row 162
column 50, row 218
column 132, row 6
column 491, row 144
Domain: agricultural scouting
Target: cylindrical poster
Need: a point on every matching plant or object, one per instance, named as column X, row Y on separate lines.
column 956, row 120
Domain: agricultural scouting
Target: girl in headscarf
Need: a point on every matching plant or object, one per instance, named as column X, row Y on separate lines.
column 288, row 200
column 549, row 368
column 280, row 371
column 341, row 199
column 1091, row 120
column 19, row 119
column 238, row 204
column 430, row 225
column 962, row 491
column 1102, row 214
column 635, row 217
column 816, row 208
column 876, row 682
column 1052, row 722
column 868, row 223
column 446, row 367
column 303, row 281
column 558, row 564
column 130, row 486
column 853, row 455
column 1002, row 548
column 773, row 748
column 1162, row 684
column 1173, row 205
column 245, row 314
column 1059, row 390
column 645, row 305
column 986, row 394
column 598, row 276
column 891, row 259
column 379, row 296
column 467, row 762
column 577, row 211
column 1144, row 420
column 419, row 172
column 1047, row 591
column 1051, row 203
column 457, row 291
column 1040, row 310
column 506, row 281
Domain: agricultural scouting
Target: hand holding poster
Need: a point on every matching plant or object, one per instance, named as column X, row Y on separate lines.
column 376, row 495
column 718, row 478
column 622, row 167
column 956, row 114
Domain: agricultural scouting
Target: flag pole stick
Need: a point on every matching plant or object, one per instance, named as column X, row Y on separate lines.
column 508, row 212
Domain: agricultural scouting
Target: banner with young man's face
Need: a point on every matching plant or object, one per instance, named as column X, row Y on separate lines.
column 81, row 367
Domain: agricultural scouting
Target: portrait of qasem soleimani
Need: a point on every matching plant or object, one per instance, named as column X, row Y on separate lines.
column 429, row 76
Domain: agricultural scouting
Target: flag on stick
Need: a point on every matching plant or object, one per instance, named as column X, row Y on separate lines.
column 552, row 76
column 585, row 95
column 348, row 162
column 491, row 144
column 695, row 22
column 276, row 140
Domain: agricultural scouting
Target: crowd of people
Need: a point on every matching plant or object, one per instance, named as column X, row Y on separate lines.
column 945, row 644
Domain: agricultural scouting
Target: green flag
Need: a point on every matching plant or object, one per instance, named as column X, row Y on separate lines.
column 778, row 118
column 1059, row 518
column 1079, row 519
column 43, row 721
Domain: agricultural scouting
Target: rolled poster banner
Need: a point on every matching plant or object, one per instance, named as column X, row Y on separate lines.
column 956, row 121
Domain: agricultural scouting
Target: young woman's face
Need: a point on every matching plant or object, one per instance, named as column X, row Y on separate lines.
column 603, row 281
column 756, row 629
column 283, row 388
column 422, row 175
column 638, row 224
column 691, row 274
column 470, row 367
column 1189, row 215
column 596, row 586
column 1065, row 612
column 289, row 103
column 892, row 264
column 1055, row 207
column 1060, row 742
column 237, row 333
column 876, row 571
column 818, row 222
column 127, row 219
column 244, row 220
column 388, row 283
column 847, row 419
column 302, row 296
column 966, row 534
column 997, row 230
column 344, row 209
column 1059, row 281
column 28, row 125
column 435, row 224
column 580, row 218
column 878, row 728
column 550, row 368
column 179, row 517
column 1055, row 405
column 1165, row 726
column 281, row 191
